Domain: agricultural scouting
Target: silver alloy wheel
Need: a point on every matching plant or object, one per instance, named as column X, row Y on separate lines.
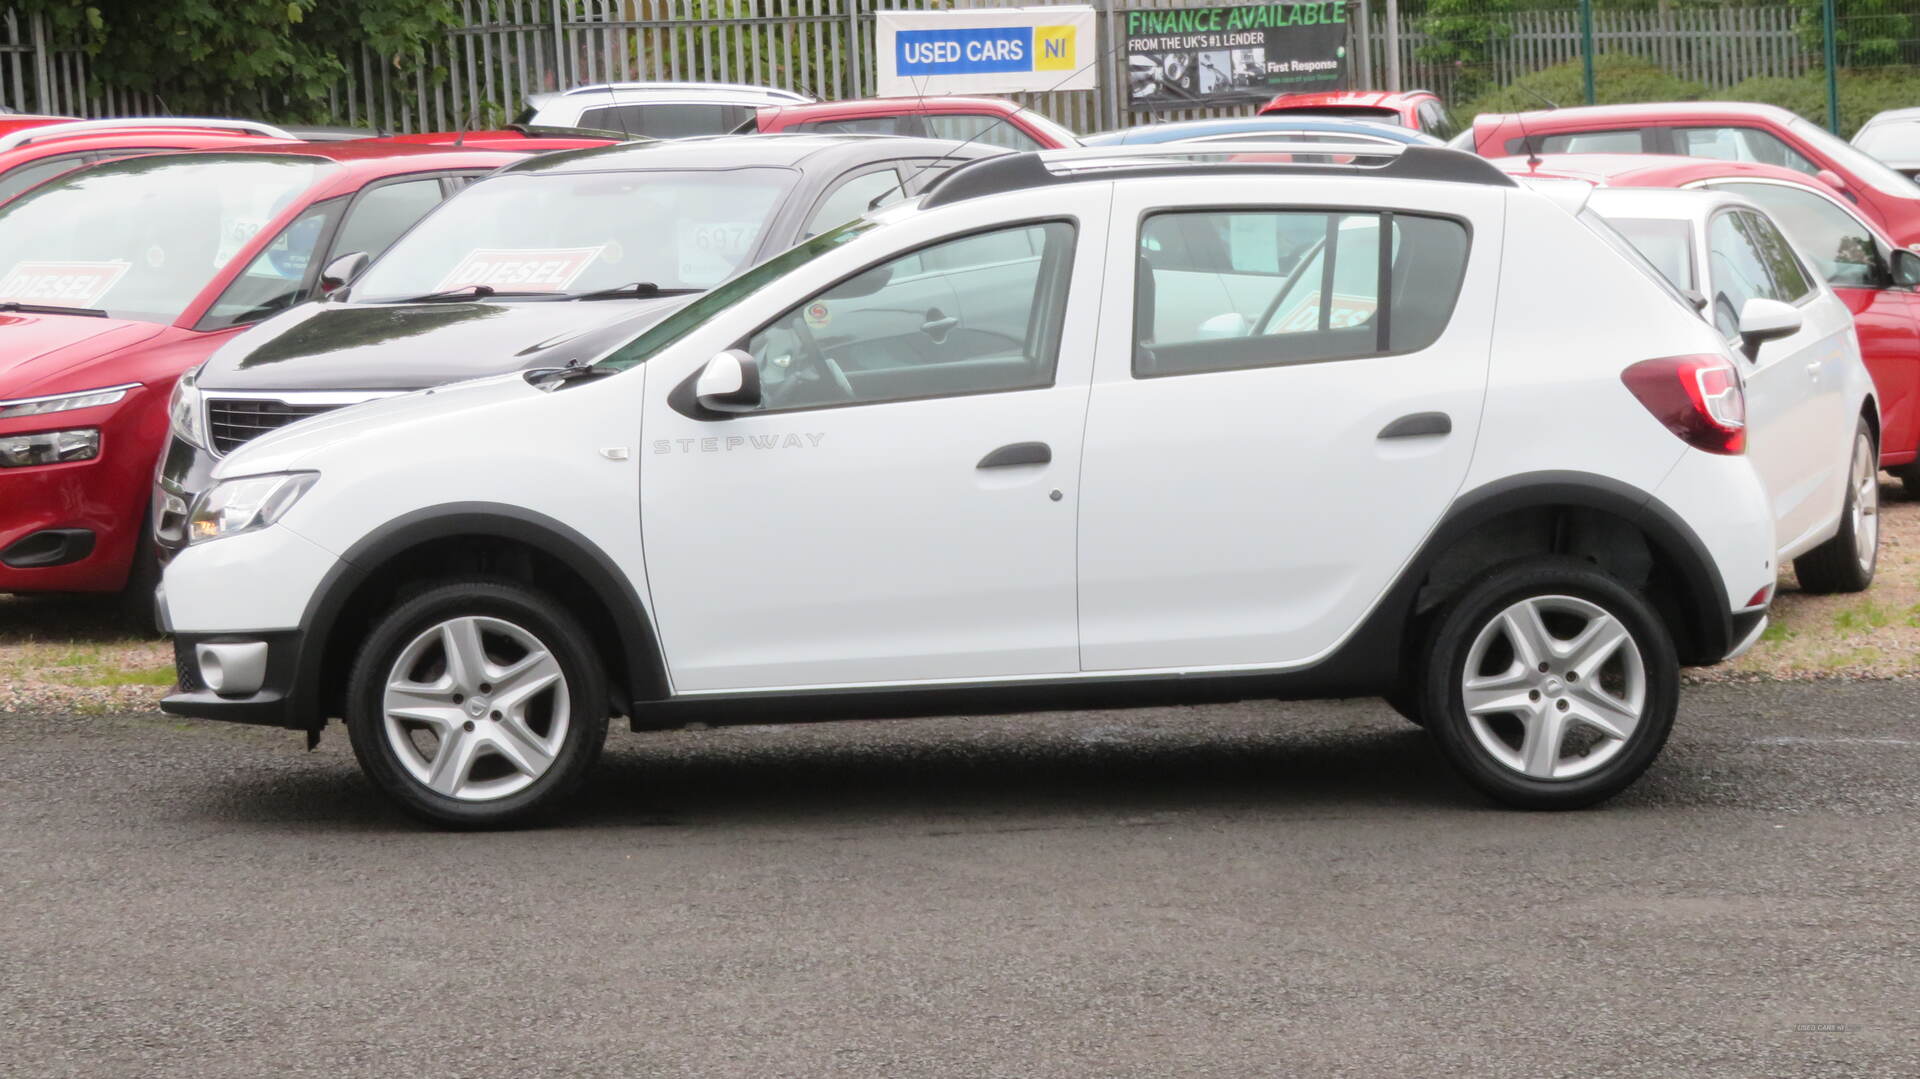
column 1866, row 503
column 476, row 708
column 1554, row 705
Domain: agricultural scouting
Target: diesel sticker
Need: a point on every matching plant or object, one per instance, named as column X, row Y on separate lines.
column 521, row 269
column 64, row 284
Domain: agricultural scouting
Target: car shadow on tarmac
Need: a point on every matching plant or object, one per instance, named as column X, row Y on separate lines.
column 962, row 772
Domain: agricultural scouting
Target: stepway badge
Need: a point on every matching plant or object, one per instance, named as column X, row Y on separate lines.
column 988, row 50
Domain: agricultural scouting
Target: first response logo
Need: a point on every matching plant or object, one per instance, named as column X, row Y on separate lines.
column 985, row 50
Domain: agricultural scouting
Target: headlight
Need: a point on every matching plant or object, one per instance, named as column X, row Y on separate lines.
column 64, row 402
column 245, row 504
column 49, row 448
column 185, row 411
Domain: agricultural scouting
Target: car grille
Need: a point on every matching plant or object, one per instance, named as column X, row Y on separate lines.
column 233, row 422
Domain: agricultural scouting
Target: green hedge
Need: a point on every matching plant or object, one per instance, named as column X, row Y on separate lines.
column 1620, row 79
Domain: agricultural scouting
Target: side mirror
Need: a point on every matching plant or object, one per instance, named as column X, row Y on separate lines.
column 1695, row 297
column 341, row 271
column 730, row 382
column 1766, row 320
column 1906, row 268
column 1832, row 179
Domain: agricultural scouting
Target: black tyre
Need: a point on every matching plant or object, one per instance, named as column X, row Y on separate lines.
column 135, row 600
column 1909, row 477
column 478, row 703
column 1549, row 685
column 1846, row 562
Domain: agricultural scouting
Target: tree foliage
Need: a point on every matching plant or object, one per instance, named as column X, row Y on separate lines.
column 1867, row 33
column 1619, row 79
column 272, row 57
column 1463, row 33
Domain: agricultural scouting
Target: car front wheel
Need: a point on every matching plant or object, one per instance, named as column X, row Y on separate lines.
column 1549, row 685
column 477, row 703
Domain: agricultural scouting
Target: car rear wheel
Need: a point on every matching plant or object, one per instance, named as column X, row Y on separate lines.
column 1549, row 685
column 1846, row 562
column 477, row 703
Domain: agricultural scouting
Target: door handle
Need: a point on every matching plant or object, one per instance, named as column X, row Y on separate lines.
column 938, row 324
column 1418, row 425
column 1015, row 454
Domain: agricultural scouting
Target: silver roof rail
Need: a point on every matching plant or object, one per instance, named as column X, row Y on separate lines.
column 25, row 135
column 733, row 87
column 1011, row 172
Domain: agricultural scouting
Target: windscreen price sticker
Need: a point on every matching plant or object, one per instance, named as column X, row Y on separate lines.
column 550, row 269
column 61, row 284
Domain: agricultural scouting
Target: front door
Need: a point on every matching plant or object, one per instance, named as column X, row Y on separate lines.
column 902, row 507
column 1286, row 403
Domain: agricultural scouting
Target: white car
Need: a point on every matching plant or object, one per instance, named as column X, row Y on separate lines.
column 1811, row 412
column 655, row 110
column 1125, row 426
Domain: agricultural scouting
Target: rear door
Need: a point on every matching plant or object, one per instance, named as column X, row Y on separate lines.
column 1279, row 415
column 1791, row 394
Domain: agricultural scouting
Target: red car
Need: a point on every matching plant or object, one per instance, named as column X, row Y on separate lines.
column 518, row 138
column 987, row 120
column 117, row 277
column 1721, row 130
column 35, row 152
column 1420, row 110
column 1833, row 236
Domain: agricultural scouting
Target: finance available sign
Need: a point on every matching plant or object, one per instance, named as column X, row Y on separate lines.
column 990, row 50
column 1183, row 57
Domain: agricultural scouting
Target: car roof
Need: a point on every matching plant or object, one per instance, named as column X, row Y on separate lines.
column 739, row 151
column 1306, row 99
column 1665, row 203
column 1889, row 116
column 894, row 106
column 656, row 92
column 149, row 139
column 1649, row 170
column 1586, row 115
column 368, row 159
column 1235, row 125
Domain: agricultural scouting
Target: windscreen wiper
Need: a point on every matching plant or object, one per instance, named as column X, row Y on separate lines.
column 49, row 309
column 638, row 290
column 466, row 292
column 572, row 371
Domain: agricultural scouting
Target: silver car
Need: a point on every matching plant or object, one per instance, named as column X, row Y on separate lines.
column 656, row 110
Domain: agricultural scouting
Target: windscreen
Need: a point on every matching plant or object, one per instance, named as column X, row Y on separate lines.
column 547, row 234
column 140, row 238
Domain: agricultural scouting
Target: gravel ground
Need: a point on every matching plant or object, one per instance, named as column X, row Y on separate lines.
column 1237, row 890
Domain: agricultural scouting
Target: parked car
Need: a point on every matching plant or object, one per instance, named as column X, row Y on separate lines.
column 990, row 120
column 1420, row 110
column 1279, row 126
column 1893, row 137
column 1724, row 130
column 654, row 110
column 1862, row 265
column 538, row 265
column 519, row 138
column 116, row 277
column 1019, row 443
column 34, row 153
column 1812, row 415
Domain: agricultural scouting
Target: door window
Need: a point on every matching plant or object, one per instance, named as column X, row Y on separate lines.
column 1624, row 141
column 1842, row 247
column 1261, row 289
column 31, row 173
column 857, row 125
column 1739, row 144
column 979, row 129
column 1743, row 253
column 279, row 277
column 661, row 120
column 981, row 314
column 382, row 213
column 853, row 198
column 1433, row 120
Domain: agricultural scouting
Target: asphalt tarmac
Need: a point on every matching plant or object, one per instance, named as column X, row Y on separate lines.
column 1235, row 890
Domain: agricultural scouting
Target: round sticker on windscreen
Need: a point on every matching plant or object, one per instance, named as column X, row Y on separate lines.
column 612, row 253
column 156, row 256
column 817, row 314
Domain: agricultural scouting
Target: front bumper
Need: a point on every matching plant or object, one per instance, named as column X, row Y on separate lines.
column 269, row 705
column 70, row 527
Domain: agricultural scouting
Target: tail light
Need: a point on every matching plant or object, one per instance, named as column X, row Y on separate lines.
column 1696, row 397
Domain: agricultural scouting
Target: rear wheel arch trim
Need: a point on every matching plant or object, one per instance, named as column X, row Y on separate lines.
column 643, row 679
column 1706, row 604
